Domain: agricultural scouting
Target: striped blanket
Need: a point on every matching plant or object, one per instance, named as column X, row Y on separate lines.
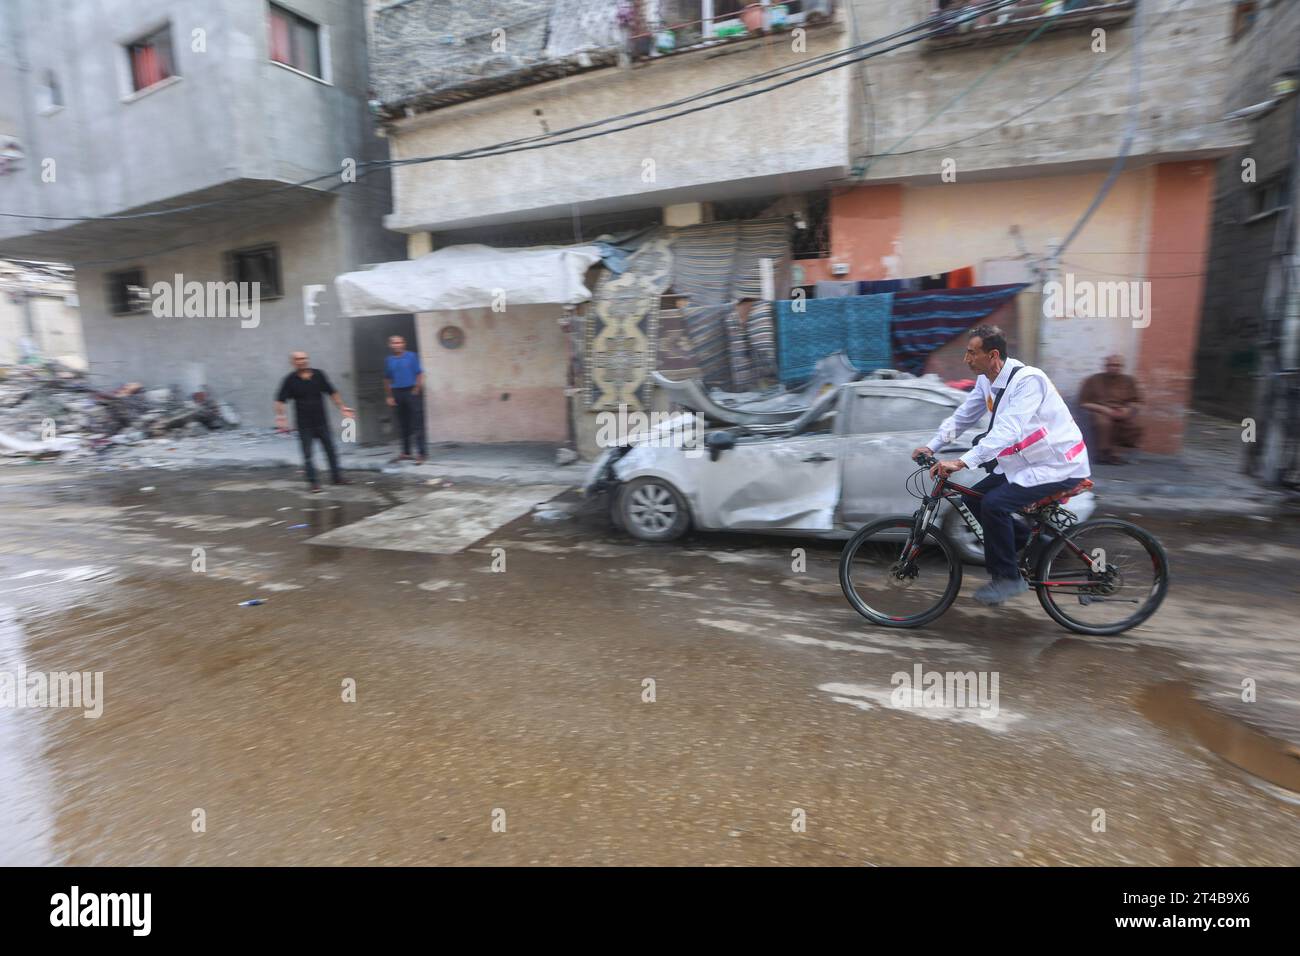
column 924, row 321
column 716, row 264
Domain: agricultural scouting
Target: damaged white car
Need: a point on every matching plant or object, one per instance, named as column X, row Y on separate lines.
column 840, row 464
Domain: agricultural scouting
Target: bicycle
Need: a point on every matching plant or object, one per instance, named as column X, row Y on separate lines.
column 1101, row 564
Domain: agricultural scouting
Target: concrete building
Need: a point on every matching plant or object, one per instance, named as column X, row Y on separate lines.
column 221, row 111
column 981, row 145
column 1249, row 348
column 39, row 314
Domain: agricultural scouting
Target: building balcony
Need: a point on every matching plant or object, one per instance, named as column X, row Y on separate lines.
column 429, row 54
column 745, row 140
column 1014, row 21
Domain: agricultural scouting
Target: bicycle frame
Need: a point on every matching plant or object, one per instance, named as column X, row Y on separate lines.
column 948, row 490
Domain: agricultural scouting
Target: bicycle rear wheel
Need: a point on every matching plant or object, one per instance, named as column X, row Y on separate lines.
column 892, row 581
column 1103, row 577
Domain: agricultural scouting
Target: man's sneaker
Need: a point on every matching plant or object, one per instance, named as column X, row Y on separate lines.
column 1000, row 590
column 316, row 489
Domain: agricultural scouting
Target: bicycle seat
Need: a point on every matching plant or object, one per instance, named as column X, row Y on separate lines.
column 1061, row 497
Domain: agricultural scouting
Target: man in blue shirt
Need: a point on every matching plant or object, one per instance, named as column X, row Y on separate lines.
column 404, row 386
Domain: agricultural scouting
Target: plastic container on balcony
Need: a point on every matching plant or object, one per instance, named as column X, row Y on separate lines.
column 753, row 16
column 665, row 41
column 778, row 18
column 732, row 28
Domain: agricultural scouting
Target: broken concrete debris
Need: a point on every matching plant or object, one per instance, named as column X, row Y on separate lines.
column 49, row 410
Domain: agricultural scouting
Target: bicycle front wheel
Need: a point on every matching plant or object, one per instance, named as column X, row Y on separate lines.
column 1103, row 577
column 895, row 581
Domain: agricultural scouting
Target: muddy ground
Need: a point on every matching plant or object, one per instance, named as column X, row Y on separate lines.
column 502, row 716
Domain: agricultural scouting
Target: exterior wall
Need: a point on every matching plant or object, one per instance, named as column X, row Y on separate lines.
column 1154, row 224
column 232, row 114
column 57, row 325
column 865, row 232
column 58, row 328
column 963, row 224
column 1231, row 350
column 242, row 366
column 1186, row 54
column 1180, row 238
column 800, row 142
column 506, row 383
column 232, row 123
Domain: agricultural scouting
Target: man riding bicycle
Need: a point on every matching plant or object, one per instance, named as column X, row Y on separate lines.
column 1032, row 449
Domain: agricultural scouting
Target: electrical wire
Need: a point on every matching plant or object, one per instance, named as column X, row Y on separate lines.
column 935, row 24
column 970, row 88
column 1130, row 133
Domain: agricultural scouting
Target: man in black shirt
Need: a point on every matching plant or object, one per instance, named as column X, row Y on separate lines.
column 305, row 386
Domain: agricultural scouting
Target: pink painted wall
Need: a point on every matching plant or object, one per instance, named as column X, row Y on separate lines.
column 866, row 225
column 506, row 383
column 1182, row 205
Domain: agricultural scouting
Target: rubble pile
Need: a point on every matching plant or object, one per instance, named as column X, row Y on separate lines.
column 50, row 410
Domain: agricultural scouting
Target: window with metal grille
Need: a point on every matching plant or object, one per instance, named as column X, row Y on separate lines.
column 811, row 238
column 127, row 292
column 260, row 264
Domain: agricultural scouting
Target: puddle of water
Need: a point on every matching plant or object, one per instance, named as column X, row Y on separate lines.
column 1266, row 759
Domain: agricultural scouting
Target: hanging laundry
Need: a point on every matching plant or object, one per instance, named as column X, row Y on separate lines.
column 962, row 278
column 760, row 328
column 924, row 321
column 878, row 286
column 831, row 289
column 857, row 325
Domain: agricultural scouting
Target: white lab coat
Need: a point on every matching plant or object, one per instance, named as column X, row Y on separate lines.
column 1034, row 438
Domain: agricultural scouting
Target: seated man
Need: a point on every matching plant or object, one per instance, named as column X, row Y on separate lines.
column 1110, row 402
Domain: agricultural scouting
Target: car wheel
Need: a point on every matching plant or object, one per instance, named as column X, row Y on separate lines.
column 653, row 510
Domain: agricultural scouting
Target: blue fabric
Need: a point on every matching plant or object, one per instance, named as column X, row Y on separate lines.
column 807, row 330
column 867, row 318
column 401, row 370
column 877, row 286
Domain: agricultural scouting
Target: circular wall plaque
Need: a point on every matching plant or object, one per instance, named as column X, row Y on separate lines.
column 451, row 336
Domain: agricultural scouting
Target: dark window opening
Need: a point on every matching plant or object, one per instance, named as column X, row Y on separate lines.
column 151, row 59
column 811, row 238
column 127, row 292
column 1267, row 197
column 294, row 41
column 260, row 264
column 50, row 93
column 1244, row 14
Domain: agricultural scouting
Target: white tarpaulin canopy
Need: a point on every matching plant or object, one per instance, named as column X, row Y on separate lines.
column 469, row 277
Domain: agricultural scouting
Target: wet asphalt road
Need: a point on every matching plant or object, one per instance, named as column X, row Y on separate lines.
column 515, row 700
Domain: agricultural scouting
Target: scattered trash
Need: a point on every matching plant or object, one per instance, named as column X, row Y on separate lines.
column 285, row 508
column 253, row 603
column 295, row 527
column 565, row 456
column 551, row 515
column 148, row 488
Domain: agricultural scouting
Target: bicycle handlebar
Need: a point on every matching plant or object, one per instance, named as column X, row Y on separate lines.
column 924, row 460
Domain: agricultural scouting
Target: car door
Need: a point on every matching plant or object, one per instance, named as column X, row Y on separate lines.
column 880, row 426
column 772, row 483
